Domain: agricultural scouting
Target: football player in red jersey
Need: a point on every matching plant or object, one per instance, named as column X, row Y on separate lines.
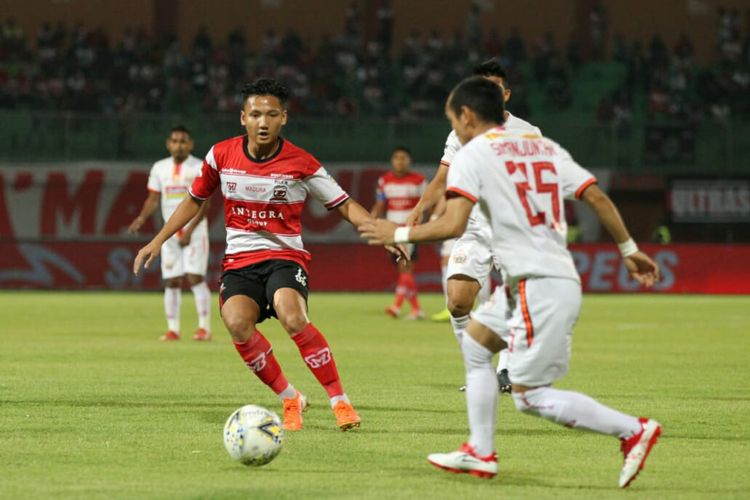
column 397, row 193
column 265, row 180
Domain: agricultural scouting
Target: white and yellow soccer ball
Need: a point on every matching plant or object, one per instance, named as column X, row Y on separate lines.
column 253, row 435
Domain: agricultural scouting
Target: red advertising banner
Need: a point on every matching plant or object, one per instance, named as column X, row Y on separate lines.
column 64, row 226
column 719, row 269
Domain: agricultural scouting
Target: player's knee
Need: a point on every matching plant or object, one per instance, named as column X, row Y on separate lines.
column 529, row 401
column 293, row 322
column 239, row 326
column 522, row 404
column 194, row 279
column 458, row 306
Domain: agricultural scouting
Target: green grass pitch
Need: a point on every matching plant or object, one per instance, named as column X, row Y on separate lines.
column 93, row 406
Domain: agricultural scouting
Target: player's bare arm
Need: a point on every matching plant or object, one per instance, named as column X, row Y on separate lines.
column 378, row 209
column 641, row 267
column 432, row 195
column 450, row 225
column 185, row 211
column 149, row 206
column 187, row 234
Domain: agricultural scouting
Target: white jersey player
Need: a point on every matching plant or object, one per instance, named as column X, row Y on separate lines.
column 184, row 255
column 470, row 261
column 519, row 180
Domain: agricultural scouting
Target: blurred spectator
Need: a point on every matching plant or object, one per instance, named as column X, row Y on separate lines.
column 384, row 25
column 343, row 75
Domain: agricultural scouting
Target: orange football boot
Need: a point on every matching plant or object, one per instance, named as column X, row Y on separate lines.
column 170, row 335
column 293, row 410
column 346, row 416
column 202, row 335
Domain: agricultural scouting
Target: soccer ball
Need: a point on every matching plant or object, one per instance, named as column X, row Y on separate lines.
column 253, row 435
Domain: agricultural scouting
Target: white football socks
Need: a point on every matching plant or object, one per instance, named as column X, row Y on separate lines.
column 336, row 399
column 172, row 304
column 287, row 393
column 574, row 409
column 502, row 360
column 481, row 395
column 459, row 325
column 202, row 296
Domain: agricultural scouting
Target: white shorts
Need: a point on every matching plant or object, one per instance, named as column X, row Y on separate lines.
column 537, row 324
column 191, row 259
column 447, row 247
column 472, row 257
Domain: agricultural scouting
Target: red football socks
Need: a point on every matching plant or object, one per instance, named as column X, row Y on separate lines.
column 318, row 357
column 258, row 356
column 402, row 290
column 411, row 286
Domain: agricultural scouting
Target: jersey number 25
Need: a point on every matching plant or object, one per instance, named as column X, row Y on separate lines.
column 525, row 191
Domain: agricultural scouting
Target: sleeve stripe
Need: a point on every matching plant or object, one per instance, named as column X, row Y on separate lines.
column 463, row 193
column 210, row 159
column 582, row 187
column 338, row 201
column 190, row 192
column 445, row 163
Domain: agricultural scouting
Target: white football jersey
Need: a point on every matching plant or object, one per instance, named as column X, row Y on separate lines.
column 477, row 222
column 172, row 181
column 519, row 180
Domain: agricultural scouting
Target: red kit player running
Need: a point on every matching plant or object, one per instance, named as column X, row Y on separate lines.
column 398, row 192
column 265, row 180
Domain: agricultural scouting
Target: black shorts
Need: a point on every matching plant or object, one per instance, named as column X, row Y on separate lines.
column 411, row 248
column 260, row 281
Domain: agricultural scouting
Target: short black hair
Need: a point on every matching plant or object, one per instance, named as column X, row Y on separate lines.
column 266, row 86
column 481, row 96
column 490, row 67
column 180, row 128
column 401, row 148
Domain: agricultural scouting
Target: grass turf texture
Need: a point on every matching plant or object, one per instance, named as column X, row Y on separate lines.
column 93, row 406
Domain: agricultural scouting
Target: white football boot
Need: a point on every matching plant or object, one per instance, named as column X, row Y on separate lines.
column 466, row 461
column 636, row 449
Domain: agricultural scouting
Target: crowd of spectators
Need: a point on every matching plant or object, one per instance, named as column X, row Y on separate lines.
column 80, row 68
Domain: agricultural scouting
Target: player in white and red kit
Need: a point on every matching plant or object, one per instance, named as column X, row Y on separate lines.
column 470, row 257
column 519, row 180
column 184, row 256
column 265, row 180
column 397, row 193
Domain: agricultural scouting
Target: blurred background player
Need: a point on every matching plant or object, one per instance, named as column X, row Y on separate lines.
column 471, row 258
column 265, row 180
column 398, row 192
column 184, row 256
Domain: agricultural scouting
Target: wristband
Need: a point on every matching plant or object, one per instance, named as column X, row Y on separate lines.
column 627, row 248
column 401, row 235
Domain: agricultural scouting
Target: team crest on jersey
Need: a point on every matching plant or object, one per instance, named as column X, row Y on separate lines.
column 279, row 193
column 231, row 187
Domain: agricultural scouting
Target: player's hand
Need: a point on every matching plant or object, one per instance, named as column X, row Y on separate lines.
column 378, row 231
column 643, row 269
column 400, row 251
column 184, row 239
column 136, row 225
column 145, row 257
column 415, row 217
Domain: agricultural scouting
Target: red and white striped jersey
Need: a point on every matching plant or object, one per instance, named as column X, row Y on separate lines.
column 263, row 199
column 400, row 194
